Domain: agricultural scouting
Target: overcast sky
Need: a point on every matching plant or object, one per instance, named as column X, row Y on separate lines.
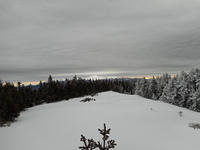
column 122, row 38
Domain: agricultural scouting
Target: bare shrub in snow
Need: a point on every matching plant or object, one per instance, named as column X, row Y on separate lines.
column 180, row 113
column 88, row 100
column 194, row 125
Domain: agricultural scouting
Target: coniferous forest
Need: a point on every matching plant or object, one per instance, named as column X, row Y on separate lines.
column 182, row 90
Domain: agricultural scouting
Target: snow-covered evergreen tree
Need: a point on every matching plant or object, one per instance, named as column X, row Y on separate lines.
column 153, row 89
column 142, row 88
column 195, row 101
column 195, row 98
column 184, row 91
column 168, row 92
column 137, row 87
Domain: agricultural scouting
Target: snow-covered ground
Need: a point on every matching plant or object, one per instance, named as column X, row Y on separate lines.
column 136, row 124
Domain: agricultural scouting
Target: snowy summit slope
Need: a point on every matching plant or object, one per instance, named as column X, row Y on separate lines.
column 136, row 124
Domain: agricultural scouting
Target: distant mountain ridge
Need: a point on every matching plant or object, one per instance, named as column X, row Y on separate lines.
column 96, row 77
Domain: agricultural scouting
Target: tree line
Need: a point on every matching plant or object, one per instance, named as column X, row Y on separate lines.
column 182, row 90
column 13, row 99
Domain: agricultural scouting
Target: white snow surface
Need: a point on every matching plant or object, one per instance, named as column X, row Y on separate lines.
column 136, row 124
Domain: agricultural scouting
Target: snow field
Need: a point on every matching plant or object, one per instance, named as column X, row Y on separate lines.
column 136, row 124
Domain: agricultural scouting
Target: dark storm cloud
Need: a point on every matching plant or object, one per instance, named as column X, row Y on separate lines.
column 107, row 37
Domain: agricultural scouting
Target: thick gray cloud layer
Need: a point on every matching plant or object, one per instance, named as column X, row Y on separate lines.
column 102, row 37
